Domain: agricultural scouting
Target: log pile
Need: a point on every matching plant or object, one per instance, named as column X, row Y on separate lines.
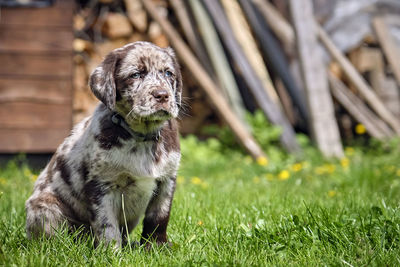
column 243, row 55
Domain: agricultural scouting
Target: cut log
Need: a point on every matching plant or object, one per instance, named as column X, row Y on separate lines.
column 137, row 15
column 116, row 26
column 322, row 117
column 209, row 87
column 274, row 114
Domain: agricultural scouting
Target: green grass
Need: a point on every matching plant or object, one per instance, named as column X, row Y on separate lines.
column 230, row 210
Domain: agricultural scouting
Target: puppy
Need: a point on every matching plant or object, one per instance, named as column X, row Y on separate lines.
column 121, row 162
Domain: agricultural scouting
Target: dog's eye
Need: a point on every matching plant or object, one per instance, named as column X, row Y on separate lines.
column 136, row 75
column 167, row 73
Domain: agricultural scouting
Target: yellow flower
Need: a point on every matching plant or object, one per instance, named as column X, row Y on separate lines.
column 196, row 180
column 345, row 162
column 284, row 175
column 297, row 167
column 180, row 179
column 256, row 179
column 33, row 177
column 349, row 151
column 3, row 181
column 360, row 129
column 262, row 161
column 398, row 172
column 330, row 168
column 200, row 223
column 331, row 193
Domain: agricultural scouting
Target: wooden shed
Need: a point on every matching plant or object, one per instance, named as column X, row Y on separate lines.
column 35, row 76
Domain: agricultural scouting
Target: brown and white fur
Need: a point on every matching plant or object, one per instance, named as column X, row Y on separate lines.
column 100, row 164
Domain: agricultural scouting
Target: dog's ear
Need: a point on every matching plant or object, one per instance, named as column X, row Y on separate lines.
column 178, row 77
column 102, row 80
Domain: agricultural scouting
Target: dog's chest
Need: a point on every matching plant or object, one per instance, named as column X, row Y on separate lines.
column 139, row 161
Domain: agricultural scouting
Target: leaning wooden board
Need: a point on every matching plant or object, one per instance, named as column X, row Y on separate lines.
column 35, row 77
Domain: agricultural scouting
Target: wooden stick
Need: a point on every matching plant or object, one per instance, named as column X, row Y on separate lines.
column 206, row 83
column 274, row 114
column 274, row 55
column 391, row 50
column 278, row 24
column 320, row 105
column 358, row 81
column 356, row 108
column 246, row 40
column 285, row 33
column 218, row 58
column 190, row 33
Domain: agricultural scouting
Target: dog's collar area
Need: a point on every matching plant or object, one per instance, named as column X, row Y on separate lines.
column 118, row 120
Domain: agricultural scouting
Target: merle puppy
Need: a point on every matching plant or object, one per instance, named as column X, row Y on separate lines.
column 121, row 162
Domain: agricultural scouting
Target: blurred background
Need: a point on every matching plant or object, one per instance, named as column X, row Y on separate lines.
column 329, row 69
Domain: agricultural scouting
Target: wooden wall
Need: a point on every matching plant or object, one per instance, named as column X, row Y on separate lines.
column 35, row 77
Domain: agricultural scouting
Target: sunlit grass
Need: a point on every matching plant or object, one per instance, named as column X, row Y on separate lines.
column 232, row 210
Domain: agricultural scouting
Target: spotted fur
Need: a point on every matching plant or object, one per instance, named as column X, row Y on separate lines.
column 101, row 164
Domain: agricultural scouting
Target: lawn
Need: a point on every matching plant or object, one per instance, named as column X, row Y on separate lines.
column 231, row 210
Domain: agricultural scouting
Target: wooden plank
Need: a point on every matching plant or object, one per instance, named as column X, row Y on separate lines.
column 28, row 115
column 209, row 87
column 21, row 39
column 322, row 116
column 358, row 81
column 31, row 141
column 38, row 91
column 38, row 17
column 390, row 48
column 27, row 64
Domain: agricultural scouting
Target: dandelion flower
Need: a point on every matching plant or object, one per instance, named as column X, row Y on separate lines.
column 331, row 193
column 345, row 162
column 297, row 167
column 262, row 161
column 196, row 180
column 330, row 168
column 284, row 175
column 33, row 177
column 360, row 129
column 200, row 223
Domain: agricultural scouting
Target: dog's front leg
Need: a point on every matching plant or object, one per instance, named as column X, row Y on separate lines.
column 103, row 213
column 157, row 213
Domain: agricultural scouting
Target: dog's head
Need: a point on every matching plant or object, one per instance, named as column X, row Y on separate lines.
column 140, row 81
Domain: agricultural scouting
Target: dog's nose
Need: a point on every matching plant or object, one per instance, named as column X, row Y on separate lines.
column 161, row 95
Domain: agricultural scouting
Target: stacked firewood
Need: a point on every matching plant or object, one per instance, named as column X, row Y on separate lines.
column 245, row 54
